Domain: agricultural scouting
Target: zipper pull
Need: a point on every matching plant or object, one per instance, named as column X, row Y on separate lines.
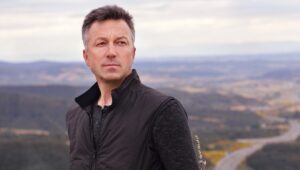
column 201, row 160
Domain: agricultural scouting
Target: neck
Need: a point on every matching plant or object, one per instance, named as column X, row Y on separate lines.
column 105, row 89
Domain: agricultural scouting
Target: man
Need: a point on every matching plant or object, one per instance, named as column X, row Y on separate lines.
column 119, row 123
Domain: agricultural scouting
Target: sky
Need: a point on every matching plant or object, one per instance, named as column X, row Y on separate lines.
column 32, row 30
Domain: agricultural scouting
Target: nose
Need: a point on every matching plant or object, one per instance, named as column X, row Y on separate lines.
column 111, row 51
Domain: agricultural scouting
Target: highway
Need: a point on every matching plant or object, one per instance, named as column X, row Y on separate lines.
column 232, row 160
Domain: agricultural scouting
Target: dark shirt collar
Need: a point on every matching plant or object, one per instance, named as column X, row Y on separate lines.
column 93, row 93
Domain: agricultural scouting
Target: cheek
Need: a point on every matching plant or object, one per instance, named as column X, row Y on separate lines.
column 97, row 56
column 129, row 59
column 97, row 52
column 130, row 56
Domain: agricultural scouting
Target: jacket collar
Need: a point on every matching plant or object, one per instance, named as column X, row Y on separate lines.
column 93, row 93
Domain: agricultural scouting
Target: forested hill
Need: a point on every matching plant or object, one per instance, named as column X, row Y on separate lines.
column 44, row 107
column 32, row 110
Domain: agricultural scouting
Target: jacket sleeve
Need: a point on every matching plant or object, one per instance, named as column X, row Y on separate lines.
column 172, row 138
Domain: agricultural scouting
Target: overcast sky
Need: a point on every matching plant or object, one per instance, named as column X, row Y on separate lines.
column 33, row 30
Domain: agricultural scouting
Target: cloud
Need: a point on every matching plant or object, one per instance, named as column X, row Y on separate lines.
column 267, row 8
column 50, row 29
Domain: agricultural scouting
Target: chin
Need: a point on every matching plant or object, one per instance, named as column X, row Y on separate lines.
column 112, row 77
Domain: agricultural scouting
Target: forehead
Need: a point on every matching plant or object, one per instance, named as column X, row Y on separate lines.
column 109, row 28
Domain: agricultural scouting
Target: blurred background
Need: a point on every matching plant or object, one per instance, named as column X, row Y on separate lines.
column 234, row 64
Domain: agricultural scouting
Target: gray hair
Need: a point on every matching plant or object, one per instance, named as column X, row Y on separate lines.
column 106, row 13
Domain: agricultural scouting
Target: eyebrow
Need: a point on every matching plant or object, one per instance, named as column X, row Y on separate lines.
column 118, row 38
column 122, row 37
column 100, row 38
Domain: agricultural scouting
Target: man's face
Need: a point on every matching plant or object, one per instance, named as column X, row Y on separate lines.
column 109, row 51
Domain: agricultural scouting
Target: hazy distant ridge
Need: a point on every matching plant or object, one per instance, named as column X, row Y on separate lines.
column 159, row 71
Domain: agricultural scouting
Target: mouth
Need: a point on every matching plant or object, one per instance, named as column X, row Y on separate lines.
column 111, row 65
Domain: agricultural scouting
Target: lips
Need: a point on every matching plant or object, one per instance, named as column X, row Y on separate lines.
column 111, row 64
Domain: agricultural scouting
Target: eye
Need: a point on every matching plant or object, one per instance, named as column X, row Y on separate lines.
column 100, row 44
column 121, row 43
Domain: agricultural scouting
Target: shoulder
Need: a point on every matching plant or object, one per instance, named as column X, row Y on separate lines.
column 171, row 108
column 149, row 91
column 150, row 94
column 167, row 103
column 170, row 115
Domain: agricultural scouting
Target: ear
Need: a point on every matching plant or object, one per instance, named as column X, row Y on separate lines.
column 85, row 57
column 134, row 50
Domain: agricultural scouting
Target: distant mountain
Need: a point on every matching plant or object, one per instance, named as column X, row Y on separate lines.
column 282, row 74
column 197, row 71
column 42, row 73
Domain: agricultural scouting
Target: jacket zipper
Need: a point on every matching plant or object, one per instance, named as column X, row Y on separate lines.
column 93, row 166
column 96, row 145
column 94, row 156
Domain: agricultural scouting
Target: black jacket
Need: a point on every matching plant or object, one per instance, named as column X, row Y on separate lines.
column 142, row 130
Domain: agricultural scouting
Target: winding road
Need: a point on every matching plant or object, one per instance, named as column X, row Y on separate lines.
column 232, row 160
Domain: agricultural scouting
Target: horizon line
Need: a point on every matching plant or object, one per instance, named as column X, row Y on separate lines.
column 176, row 58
